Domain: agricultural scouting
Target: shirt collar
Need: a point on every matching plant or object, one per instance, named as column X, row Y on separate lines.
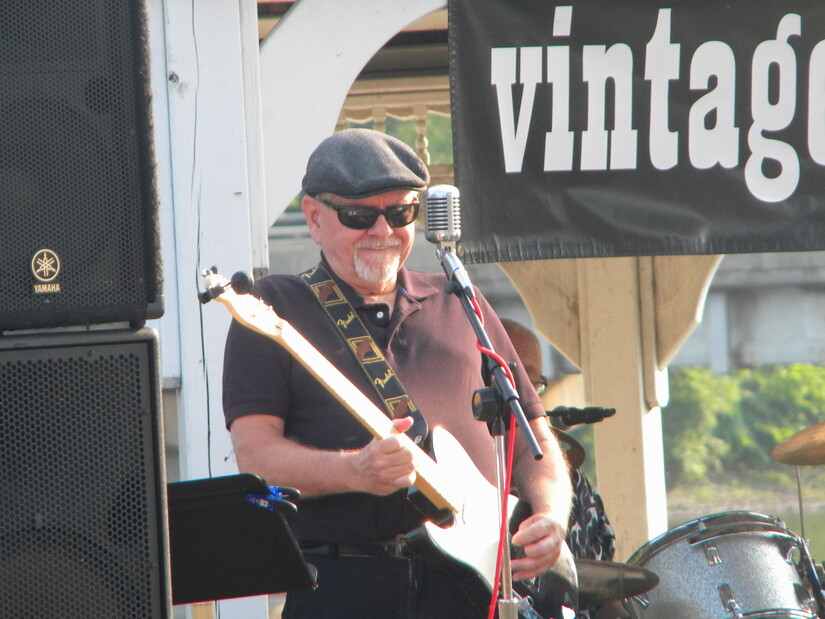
column 415, row 285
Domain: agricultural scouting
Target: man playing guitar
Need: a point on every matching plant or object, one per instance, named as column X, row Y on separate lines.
column 361, row 201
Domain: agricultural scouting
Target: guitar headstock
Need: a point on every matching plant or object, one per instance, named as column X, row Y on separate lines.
column 246, row 308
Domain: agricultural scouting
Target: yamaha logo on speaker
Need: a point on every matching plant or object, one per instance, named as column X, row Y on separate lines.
column 46, row 267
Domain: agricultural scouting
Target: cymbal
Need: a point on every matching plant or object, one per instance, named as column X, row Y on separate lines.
column 573, row 449
column 805, row 447
column 602, row 581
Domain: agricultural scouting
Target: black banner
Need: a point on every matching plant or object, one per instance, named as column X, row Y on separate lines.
column 618, row 127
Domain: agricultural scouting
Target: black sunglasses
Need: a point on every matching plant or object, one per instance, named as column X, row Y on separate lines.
column 360, row 217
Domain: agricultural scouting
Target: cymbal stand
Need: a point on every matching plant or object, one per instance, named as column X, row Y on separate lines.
column 799, row 498
column 807, row 561
column 810, row 574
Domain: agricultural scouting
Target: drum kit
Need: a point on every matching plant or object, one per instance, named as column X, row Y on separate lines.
column 728, row 565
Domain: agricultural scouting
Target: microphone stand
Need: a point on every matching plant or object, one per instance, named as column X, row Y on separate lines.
column 460, row 285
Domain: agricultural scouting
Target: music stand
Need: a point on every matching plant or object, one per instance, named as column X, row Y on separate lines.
column 228, row 539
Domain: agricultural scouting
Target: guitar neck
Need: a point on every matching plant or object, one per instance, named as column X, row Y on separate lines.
column 256, row 315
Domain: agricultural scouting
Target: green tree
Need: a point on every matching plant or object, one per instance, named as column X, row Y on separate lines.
column 730, row 424
column 698, row 401
column 440, row 138
column 777, row 402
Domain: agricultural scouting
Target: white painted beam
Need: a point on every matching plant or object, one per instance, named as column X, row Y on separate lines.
column 208, row 79
column 311, row 59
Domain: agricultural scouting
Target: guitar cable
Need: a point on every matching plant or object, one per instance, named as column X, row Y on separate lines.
column 511, row 441
column 503, row 532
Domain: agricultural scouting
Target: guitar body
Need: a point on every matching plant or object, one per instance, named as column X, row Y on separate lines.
column 471, row 538
column 470, row 541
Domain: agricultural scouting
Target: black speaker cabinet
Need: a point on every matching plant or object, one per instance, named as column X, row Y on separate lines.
column 83, row 528
column 78, row 199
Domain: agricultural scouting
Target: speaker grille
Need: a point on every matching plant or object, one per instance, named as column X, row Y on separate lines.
column 76, row 165
column 81, row 522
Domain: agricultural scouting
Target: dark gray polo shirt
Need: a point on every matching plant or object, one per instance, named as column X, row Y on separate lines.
column 431, row 346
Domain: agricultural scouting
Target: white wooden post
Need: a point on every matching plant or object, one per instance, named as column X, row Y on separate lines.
column 621, row 321
column 207, row 118
column 310, row 60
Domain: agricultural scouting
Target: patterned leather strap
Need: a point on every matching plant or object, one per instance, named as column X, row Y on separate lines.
column 396, row 400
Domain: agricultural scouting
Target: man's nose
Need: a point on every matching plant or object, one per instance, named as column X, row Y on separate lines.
column 380, row 227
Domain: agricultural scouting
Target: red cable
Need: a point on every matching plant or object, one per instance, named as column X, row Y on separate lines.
column 503, row 532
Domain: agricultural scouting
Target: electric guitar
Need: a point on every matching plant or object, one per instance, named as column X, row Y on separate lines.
column 451, row 482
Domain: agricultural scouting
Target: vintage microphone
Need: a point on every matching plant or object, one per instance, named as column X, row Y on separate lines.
column 443, row 216
column 443, row 227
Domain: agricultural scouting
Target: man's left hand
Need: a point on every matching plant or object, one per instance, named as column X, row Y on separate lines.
column 541, row 536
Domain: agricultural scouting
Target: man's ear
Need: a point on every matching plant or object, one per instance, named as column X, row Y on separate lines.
column 311, row 209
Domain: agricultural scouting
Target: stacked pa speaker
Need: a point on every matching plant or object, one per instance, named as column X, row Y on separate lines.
column 82, row 516
column 77, row 197
column 82, row 519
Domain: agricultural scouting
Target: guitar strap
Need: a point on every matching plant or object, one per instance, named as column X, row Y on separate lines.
column 386, row 382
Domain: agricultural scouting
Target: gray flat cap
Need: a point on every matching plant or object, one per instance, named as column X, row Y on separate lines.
column 358, row 163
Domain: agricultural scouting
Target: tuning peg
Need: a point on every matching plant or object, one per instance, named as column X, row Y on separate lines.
column 213, row 289
column 205, row 297
column 242, row 282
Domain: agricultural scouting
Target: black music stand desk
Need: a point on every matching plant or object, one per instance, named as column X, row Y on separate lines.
column 229, row 539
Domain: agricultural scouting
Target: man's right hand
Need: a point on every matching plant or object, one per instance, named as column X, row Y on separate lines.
column 382, row 467
column 385, row 465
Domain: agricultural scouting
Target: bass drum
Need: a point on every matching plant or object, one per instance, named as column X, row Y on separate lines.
column 726, row 565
